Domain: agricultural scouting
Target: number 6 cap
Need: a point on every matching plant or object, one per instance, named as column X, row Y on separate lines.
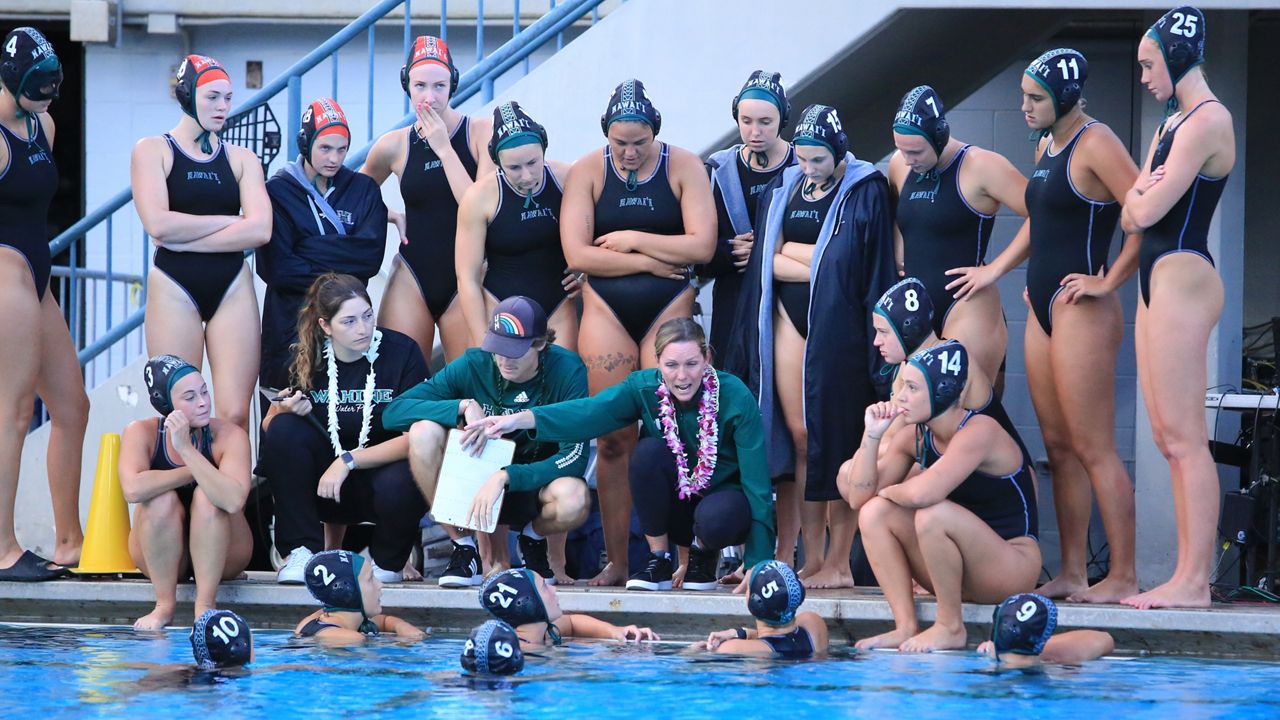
column 333, row 577
column 946, row 370
column 775, row 593
column 493, row 649
column 1062, row 73
column 221, row 638
column 1023, row 623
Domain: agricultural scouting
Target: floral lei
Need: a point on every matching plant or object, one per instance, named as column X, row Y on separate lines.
column 366, row 420
column 708, row 435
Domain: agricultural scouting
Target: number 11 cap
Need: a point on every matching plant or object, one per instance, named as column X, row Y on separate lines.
column 1062, row 73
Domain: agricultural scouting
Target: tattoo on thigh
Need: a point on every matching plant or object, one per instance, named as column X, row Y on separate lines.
column 612, row 361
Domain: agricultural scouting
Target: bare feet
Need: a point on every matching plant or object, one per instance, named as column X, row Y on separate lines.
column 1109, row 590
column 808, row 570
column 938, row 637
column 891, row 639
column 1173, row 594
column 1063, row 587
column 562, row 578
column 155, row 620
column 68, row 554
column 829, row 578
column 733, row 578
column 410, row 572
column 918, row 589
column 611, row 575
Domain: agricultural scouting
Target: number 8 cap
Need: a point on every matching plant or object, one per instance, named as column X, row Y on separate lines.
column 775, row 593
column 1023, row 623
column 909, row 310
column 221, row 638
column 946, row 370
column 493, row 649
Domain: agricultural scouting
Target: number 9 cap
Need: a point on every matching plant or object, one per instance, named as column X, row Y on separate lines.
column 492, row 649
column 775, row 593
column 1023, row 623
column 333, row 577
column 946, row 370
column 221, row 638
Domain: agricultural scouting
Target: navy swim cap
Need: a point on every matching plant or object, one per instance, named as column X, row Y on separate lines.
column 221, row 638
column 820, row 125
column 1180, row 35
column 28, row 65
column 493, row 649
column 1062, row 73
column 512, row 597
column 775, row 593
column 322, row 117
column 161, row 374
column 909, row 310
column 333, row 577
column 767, row 86
column 513, row 128
column 921, row 113
column 630, row 102
column 1023, row 623
column 946, row 369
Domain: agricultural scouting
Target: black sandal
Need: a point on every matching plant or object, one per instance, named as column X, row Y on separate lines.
column 33, row 568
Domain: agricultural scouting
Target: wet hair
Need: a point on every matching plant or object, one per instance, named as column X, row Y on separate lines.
column 324, row 298
column 679, row 330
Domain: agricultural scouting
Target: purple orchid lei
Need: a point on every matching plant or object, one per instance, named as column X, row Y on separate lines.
column 708, row 435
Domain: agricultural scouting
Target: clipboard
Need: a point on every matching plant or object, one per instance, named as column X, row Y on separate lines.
column 461, row 477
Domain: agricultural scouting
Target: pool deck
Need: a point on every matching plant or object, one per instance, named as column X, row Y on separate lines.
column 1237, row 629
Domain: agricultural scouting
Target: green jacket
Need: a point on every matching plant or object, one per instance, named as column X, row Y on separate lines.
column 474, row 375
column 740, row 460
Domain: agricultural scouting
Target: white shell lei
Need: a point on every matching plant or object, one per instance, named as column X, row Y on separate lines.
column 366, row 419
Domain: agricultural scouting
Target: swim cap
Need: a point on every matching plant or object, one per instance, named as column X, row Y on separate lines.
column 493, row 649
column 333, row 577
column 909, row 310
column 29, row 64
column 946, row 369
column 1023, row 623
column 161, row 373
column 764, row 85
column 429, row 49
column 512, row 596
column 630, row 102
column 513, row 128
column 322, row 117
column 820, row 125
column 1062, row 73
column 197, row 70
column 221, row 638
column 1180, row 35
column 921, row 113
column 775, row 594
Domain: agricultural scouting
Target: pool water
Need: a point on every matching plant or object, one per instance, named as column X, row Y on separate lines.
column 59, row 671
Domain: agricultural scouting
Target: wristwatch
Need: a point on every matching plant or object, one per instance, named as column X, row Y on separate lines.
column 349, row 460
column 740, row 632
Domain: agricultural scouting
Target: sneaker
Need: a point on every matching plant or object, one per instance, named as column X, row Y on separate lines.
column 294, row 570
column 464, row 568
column 533, row 553
column 655, row 576
column 701, row 573
column 386, row 577
column 729, row 562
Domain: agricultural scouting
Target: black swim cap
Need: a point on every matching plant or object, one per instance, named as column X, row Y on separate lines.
column 512, row 127
column 1023, row 623
column 221, row 638
column 909, row 310
column 160, row 374
column 512, row 597
column 630, row 102
column 493, row 649
column 921, row 113
column 333, row 577
column 775, row 593
column 322, row 117
column 946, row 370
column 1180, row 35
column 764, row 85
column 1062, row 73
column 820, row 125
column 29, row 64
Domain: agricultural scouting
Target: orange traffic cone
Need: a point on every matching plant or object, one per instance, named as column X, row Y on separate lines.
column 106, row 540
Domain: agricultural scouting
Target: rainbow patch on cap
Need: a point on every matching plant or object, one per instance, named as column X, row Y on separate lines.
column 508, row 324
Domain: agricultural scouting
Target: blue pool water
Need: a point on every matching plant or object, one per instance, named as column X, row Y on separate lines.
column 112, row 672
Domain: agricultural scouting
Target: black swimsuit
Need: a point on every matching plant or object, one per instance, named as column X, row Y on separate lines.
column 27, row 188
column 801, row 224
column 160, row 459
column 522, row 245
column 202, row 187
column 315, row 625
column 940, row 231
column 1185, row 228
column 431, row 217
column 1069, row 232
column 638, row 300
column 795, row 645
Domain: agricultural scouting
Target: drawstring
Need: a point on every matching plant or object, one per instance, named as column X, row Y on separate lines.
column 528, row 199
column 1038, row 135
column 33, row 126
column 761, row 159
column 632, row 182
column 811, row 187
column 203, row 138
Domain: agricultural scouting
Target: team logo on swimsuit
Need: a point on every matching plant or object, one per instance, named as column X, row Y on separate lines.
column 508, row 324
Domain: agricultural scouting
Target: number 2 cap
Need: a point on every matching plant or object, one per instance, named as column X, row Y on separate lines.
column 1023, row 623
column 221, row 638
column 333, row 577
column 492, row 649
column 775, row 593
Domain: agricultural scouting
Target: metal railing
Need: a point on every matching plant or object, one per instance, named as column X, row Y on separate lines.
column 105, row 307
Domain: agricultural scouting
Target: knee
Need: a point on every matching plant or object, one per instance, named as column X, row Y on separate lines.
column 931, row 521
column 164, row 511
column 425, row 437
column 873, row 514
column 571, row 499
column 284, row 433
column 238, row 415
column 203, row 509
column 611, row 448
column 1179, row 445
column 71, row 412
column 723, row 519
column 1056, row 441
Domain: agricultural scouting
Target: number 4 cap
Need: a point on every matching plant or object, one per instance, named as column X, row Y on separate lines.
column 221, row 638
column 1023, row 623
column 492, row 649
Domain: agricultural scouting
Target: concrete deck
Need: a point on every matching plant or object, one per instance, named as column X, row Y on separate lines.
column 1235, row 630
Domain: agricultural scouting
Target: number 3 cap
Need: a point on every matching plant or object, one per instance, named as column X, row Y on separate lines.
column 221, row 638
column 333, row 577
column 775, row 593
column 1023, row 623
column 492, row 649
column 1062, row 73
column 946, row 370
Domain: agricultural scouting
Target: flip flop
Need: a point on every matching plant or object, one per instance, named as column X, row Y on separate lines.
column 32, row 568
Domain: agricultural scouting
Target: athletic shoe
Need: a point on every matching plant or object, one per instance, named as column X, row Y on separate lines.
column 655, row 576
column 294, row 571
column 464, row 568
column 533, row 553
column 729, row 562
column 386, row 577
column 701, row 573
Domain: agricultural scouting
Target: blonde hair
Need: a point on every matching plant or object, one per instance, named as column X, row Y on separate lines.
column 680, row 330
column 324, row 298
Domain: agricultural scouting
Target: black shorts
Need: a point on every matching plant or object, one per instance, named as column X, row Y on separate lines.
column 519, row 509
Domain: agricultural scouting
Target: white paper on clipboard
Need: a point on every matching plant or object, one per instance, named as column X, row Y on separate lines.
column 461, row 477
